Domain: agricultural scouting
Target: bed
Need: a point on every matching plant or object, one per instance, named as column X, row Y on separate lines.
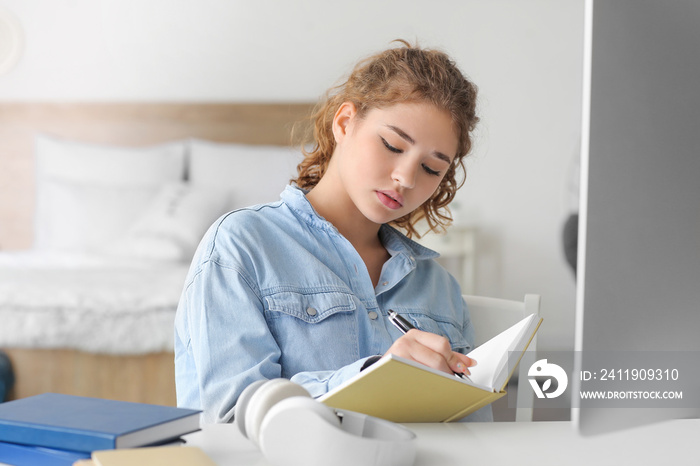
column 101, row 208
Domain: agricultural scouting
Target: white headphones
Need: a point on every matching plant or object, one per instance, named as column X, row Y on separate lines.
column 293, row 429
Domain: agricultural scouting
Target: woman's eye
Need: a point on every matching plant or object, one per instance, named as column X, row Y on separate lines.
column 390, row 147
column 430, row 171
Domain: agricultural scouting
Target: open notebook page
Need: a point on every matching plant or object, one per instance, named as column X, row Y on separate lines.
column 492, row 357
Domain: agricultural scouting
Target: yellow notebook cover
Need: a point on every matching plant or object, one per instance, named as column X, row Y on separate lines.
column 401, row 390
column 153, row 456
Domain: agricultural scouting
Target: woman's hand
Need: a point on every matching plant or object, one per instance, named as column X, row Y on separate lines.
column 432, row 350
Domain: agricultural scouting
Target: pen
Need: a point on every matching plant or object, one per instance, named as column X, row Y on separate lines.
column 404, row 325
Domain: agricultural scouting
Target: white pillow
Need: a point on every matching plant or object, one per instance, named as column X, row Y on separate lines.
column 96, row 165
column 84, row 217
column 253, row 174
column 171, row 227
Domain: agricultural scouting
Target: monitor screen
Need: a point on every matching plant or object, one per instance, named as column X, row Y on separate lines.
column 638, row 296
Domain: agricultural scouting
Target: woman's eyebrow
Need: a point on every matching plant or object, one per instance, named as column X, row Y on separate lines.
column 401, row 133
column 410, row 140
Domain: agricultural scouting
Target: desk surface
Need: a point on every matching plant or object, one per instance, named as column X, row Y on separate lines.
column 504, row 443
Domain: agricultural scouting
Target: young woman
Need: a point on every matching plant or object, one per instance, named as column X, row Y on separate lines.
column 301, row 288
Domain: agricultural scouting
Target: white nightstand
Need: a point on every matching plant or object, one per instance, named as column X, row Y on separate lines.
column 457, row 253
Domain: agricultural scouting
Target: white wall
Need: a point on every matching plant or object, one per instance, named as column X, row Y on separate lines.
column 525, row 55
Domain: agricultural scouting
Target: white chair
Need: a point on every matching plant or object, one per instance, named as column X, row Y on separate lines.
column 490, row 316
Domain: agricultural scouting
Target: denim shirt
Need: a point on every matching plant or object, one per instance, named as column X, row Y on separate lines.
column 275, row 290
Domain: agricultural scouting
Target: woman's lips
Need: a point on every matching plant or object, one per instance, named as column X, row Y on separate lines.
column 391, row 199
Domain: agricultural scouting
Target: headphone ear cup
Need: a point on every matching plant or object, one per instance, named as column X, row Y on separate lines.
column 299, row 403
column 243, row 402
column 265, row 397
column 291, row 430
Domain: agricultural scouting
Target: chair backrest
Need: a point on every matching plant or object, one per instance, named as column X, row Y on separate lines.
column 490, row 316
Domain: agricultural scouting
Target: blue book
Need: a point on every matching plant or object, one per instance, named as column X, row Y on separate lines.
column 27, row 455
column 85, row 424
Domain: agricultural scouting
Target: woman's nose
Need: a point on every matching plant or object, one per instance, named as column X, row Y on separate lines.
column 405, row 174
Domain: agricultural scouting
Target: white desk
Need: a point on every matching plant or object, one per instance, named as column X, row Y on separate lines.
column 672, row 443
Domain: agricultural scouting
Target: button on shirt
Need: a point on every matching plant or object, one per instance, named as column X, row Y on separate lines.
column 276, row 291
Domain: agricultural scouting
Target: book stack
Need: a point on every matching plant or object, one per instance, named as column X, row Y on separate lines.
column 59, row 430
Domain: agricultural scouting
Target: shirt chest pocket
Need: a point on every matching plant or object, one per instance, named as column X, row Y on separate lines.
column 314, row 331
column 311, row 308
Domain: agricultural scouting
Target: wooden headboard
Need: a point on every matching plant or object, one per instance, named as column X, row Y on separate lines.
column 126, row 124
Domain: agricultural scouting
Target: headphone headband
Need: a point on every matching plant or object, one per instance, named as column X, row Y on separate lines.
column 299, row 431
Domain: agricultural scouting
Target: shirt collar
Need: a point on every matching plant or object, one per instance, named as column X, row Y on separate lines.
column 295, row 198
column 396, row 242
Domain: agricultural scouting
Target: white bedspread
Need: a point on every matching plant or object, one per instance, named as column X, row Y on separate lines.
column 88, row 303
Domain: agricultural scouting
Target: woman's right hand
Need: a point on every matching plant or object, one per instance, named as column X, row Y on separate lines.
column 431, row 350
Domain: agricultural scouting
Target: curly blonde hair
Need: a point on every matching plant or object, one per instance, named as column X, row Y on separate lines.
column 403, row 74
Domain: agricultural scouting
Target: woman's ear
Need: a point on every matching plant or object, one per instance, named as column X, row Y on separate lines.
column 342, row 119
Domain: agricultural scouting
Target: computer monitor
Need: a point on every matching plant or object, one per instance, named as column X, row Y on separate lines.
column 638, row 296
